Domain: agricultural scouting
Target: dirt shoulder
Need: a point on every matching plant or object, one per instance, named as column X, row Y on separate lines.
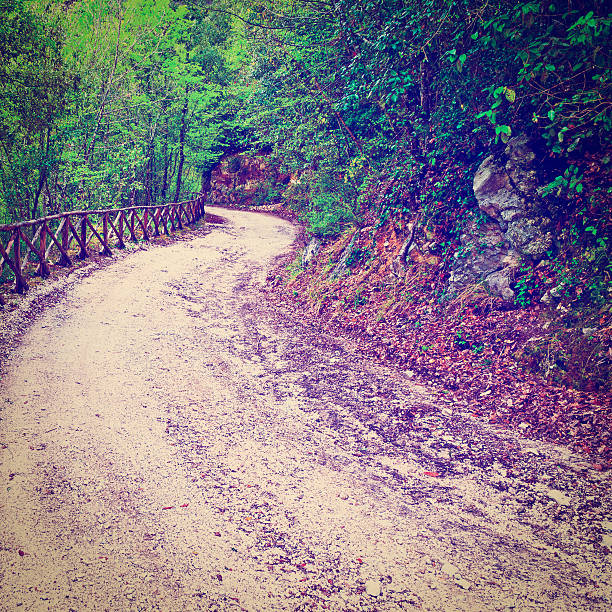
column 474, row 349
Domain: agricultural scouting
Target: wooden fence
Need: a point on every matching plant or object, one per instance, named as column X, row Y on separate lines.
column 26, row 248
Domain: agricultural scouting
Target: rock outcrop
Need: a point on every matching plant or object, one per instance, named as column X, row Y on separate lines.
column 310, row 251
column 513, row 227
column 342, row 266
column 243, row 180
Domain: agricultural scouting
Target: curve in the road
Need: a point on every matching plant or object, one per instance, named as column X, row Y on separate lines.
column 168, row 443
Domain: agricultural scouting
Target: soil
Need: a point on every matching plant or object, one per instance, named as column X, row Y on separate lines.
column 168, row 441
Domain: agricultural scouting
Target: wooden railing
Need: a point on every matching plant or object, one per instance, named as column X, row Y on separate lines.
column 26, row 248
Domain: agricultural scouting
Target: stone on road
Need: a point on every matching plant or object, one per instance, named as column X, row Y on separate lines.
column 169, row 442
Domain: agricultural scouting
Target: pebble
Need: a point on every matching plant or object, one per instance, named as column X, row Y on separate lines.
column 606, row 540
column 130, row 594
column 559, row 496
column 463, row 583
column 449, row 568
column 373, row 588
column 447, row 412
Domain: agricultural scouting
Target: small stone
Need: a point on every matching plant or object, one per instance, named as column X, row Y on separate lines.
column 556, row 292
column 450, row 569
column 606, row 540
column 559, row 496
column 373, row 588
column 589, row 331
column 130, row 594
column 447, row 412
column 463, row 583
column 607, row 525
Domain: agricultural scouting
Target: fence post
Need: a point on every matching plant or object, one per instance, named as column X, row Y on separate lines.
column 64, row 259
column 171, row 216
column 145, row 224
column 121, row 244
column 132, row 227
column 83, row 253
column 105, row 248
column 155, row 217
column 20, row 284
column 179, row 209
column 43, row 268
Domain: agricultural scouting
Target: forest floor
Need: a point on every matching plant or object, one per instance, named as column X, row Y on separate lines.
column 168, row 441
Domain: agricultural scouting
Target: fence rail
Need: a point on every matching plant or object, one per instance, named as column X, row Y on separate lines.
column 26, row 248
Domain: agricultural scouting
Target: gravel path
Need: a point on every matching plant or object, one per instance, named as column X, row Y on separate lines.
column 169, row 443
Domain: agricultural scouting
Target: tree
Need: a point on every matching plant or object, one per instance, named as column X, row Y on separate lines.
column 33, row 98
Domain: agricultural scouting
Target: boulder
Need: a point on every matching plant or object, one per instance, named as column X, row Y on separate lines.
column 342, row 266
column 516, row 224
column 310, row 251
column 494, row 191
column 528, row 237
column 498, row 283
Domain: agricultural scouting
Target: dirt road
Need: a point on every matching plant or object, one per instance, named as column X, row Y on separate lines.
column 169, row 443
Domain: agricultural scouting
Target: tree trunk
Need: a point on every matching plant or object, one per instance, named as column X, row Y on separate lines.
column 107, row 87
column 181, row 151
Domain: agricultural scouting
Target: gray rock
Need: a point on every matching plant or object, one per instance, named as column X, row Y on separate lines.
column 373, row 588
column 547, row 298
column 499, row 284
column 493, row 189
column 310, row 252
column 511, row 214
column 515, row 227
column 341, row 267
column 449, row 568
column 557, row 292
column 528, row 238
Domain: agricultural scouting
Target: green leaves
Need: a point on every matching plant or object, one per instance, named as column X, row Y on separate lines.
column 503, row 131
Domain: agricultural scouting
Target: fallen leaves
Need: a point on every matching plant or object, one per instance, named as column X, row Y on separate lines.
column 185, row 505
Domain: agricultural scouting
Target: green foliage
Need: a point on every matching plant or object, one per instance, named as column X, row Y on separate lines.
column 380, row 109
column 526, row 286
column 326, row 216
column 109, row 103
column 358, row 256
column 33, row 84
column 329, row 210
